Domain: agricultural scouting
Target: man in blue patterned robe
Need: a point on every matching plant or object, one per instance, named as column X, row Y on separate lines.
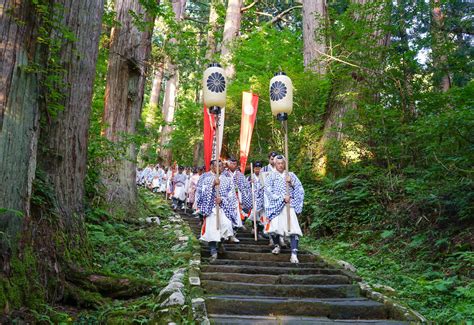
column 271, row 165
column 258, row 190
column 276, row 212
column 207, row 200
column 243, row 193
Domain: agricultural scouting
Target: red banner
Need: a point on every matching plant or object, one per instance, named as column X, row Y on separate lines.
column 249, row 113
column 209, row 133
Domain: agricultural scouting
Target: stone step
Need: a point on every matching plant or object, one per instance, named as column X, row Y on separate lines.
column 281, row 290
column 318, row 264
column 250, row 241
column 284, row 257
column 267, row 270
column 194, row 224
column 253, row 248
column 277, row 279
column 220, row 319
column 249, row 285
column 345, row 308
column 241, row 234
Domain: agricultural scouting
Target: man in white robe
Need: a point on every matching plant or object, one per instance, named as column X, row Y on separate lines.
column 276, row 211
column 179, row 188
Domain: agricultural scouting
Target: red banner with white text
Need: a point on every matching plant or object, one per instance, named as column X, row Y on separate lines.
column 249, row 114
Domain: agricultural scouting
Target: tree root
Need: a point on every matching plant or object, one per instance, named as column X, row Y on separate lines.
column 111, row 286
column 74, row 295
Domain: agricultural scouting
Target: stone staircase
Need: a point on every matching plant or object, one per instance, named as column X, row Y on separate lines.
column 249, row 285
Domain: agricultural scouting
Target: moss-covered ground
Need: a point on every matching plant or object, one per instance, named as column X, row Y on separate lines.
column 128, row 246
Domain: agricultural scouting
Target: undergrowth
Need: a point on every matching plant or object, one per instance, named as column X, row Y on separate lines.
column 433, row 290
column 415, row 240
column 128, row 247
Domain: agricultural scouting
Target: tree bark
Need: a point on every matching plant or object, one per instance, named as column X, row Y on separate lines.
column 231, row 31
column 171, row 91
column 53, row 223
column 169, row 106
column 19, row 119
column 406, row 93
column 198, row 153
column 155, row 95
column 211, row 39
column 343, row 98
column 314, row 16
column 127, row 65
column 439, row 41
column 63, row 154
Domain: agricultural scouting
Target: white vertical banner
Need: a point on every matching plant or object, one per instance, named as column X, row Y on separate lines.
column 221, row 127
column 221, row 134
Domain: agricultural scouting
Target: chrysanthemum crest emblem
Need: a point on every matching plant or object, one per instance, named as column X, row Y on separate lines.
column 278, row 90
column 216, row 82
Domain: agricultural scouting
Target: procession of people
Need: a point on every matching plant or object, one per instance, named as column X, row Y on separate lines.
column 269, row 200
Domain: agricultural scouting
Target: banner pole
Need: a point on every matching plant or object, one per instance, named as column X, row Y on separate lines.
column 285, row 125
column 218, row 220
column 254, row 206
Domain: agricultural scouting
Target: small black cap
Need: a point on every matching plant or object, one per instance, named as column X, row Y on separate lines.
column 272, row 154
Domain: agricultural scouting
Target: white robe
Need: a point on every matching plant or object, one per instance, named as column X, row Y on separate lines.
column 155, row 182
column 180, row 192
column 279, row 224
column 209, row 231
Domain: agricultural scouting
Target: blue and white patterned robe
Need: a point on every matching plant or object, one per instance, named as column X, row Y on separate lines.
column 242, row 186
column 206, row 195
column 266, row 169
column 258, row 191
column 275, row 191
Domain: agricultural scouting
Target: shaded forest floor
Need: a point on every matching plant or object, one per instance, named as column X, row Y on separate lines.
column 130, row 248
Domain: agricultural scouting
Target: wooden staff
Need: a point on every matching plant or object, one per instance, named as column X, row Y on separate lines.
column 218, row 220
column 285, row 126
column 254, row 206
column 170, row 194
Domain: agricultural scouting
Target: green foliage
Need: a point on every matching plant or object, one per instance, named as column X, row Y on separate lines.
column 397, row 200
column 16, row 213
column 52, row 37
column 188, row 119
column 139, row 250
column 143, row 251
column 433, row 289
column 257, row 57
column 126, row 248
